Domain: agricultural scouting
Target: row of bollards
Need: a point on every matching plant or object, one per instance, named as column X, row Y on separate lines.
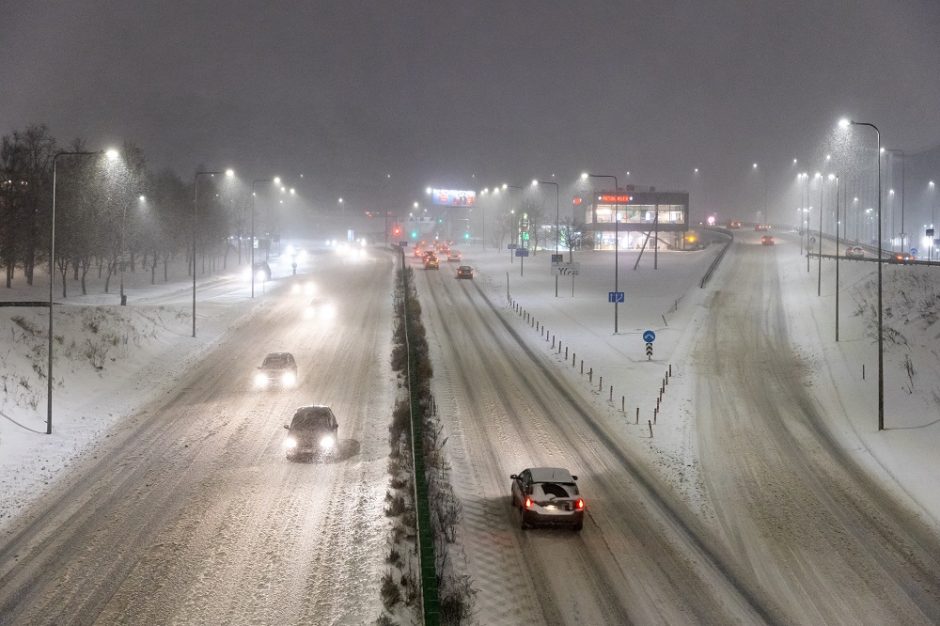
column 557, row 346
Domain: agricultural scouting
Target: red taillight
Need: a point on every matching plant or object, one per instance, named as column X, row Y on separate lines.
column 528, row 503
column 580, row 504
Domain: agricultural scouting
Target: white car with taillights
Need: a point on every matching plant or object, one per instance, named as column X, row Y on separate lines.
column 547, row 496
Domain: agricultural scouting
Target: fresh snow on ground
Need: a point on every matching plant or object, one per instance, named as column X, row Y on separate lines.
column 108, row 361
column 669, row 301
column 111, row 360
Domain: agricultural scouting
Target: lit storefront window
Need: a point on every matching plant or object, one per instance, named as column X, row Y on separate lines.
column 638, row 214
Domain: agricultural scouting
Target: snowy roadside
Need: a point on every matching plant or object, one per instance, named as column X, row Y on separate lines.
column 903, row 456
column 669, row 302
column 666, row 300
column 108, row 362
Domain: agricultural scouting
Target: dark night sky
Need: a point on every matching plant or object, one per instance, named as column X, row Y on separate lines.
column 434, row 92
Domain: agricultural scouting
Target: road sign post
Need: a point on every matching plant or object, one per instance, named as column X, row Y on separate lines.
column 649, row 337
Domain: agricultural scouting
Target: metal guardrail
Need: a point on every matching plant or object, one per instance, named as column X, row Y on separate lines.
column 27, row 303
column 721, row 255
column 430, row 601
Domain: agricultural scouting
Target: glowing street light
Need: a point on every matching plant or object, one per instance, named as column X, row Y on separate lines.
column 111, row 155
column 229, row 173
column 845, row 123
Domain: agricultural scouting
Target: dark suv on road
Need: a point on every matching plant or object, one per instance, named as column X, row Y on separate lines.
column 312, row 431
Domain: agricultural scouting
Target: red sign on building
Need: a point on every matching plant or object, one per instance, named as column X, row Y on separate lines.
column 615, row 198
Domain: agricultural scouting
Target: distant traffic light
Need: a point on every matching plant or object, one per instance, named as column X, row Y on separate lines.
column 414, row 234
column 396, row 231
column 466, row 235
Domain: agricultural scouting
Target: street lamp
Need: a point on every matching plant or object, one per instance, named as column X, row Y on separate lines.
column 763, row 174
column 557, row 226
column 229, row 173
column 275, row 181
column 111, row 155
column 505, row 187
column 845, row 123
column 903, row 194
column 585, row 176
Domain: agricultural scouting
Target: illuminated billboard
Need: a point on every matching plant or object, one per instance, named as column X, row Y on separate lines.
column 453, row 197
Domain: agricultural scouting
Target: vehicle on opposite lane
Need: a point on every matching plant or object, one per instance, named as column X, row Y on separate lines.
column 465, row 271
column 901, row 257
column 279, row 369
column 767, row 240
column 547, row 496
column 312, row 431
column 431, row 263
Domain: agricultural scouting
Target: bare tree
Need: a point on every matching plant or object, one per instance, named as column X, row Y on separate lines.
column 26, row 168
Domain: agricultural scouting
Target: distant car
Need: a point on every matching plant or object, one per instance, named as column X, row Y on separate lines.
column 547, row 496
column 855, row 251
column 312, row 431
column 734, row 224
column 431, row 263
column 453, row 255
column 418, row 251
column 762, row 227
column 767, row 240
column 901, row 257
column 320, row 309
column 465, row 271
column 279, row 369
column 261, row 270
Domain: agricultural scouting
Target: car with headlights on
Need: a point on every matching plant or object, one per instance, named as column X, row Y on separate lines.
column 431, row 263
column 767, row 240
column 311, row 432
column 279, row 369
column 547, row 496
column 902, row 257
column 465, row 271
column 453, row 255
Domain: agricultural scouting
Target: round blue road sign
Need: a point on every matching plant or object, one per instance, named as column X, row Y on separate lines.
column 649, row 336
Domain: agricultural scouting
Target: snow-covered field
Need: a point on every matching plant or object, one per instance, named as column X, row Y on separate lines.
column 108, row 361
column 112, row 360
column 669, row 301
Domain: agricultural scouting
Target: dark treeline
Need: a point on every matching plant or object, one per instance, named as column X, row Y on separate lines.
column 109, row 213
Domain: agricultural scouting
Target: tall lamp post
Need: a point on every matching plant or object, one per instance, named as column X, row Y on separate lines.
column 505, row 187
column 763, row 175
column 903, row 233
column 585, row 176
column 276, row 181
column 483, row 217
column 845, row 123
column 112, row 155
column 557, row 226
column 229, row 174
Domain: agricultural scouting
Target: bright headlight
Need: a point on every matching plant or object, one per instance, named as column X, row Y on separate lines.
column 327, row 442
column 288, row 379
column 261, row 380
column 290, row 442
